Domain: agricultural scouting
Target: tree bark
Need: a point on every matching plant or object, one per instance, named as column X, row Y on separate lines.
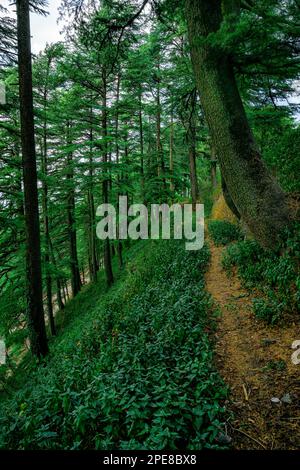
column 191, row 141
column 45, row 206
column 93, row 264
column 141, row 131
column 213, row 167
column 47, row 247
column 60, row 303
column 105, row 183
column 119, row 244
column 36, row 320
column 159, row 148
column 74, row 266
column 59, row 300
column 256, row 195
column 171, row 155
column 229, row 200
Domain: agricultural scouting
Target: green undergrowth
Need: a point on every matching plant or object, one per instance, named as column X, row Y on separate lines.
column 273, row 273
column 132, row 370
column 223, row 232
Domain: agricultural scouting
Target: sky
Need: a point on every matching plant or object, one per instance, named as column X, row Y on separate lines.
column 43, row 29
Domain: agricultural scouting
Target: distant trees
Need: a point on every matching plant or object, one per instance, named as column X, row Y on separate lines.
column 121, row 112
column 8, row 39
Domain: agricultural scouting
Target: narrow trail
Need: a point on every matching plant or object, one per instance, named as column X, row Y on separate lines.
column 254, row 360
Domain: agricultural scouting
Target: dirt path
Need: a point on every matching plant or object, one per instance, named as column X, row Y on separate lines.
column 255, row 361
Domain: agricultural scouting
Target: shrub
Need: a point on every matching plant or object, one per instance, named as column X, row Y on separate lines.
column 246, row 256
column 223, row 232
column 274, row 273
column 267, row 310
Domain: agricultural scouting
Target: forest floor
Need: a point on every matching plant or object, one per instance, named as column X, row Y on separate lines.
column 254, row 360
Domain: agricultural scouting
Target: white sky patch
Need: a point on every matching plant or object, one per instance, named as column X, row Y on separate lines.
column 44, row 29
column 294, row 98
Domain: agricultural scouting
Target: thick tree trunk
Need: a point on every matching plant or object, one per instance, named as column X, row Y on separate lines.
column 213, row 167
column 105, row 184
column 36, row 320
column 229, row 200
column 256, row 195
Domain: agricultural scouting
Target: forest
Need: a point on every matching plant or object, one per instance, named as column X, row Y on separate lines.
column 123, row 344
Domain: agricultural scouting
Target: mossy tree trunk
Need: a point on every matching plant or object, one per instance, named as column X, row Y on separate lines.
column 254, row 192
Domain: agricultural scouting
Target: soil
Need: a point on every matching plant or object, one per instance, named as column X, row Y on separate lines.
column 254, row 360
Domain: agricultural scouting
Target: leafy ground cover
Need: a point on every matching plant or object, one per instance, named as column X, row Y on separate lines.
column 133, row 369
column 275, row 274
column 223, row 232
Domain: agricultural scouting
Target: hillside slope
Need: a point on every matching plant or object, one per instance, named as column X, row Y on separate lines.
column 133, row 369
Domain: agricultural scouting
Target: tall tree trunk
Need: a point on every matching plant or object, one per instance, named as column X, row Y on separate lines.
column 256, row 195
column 74, row 266
column 93, row 264
column 59, row 300
column 64, row 294
column 36, row 320
column 47, row 247
column 191, row 141
column 159, row 149
column 105, row 183
column 45, row 208
column 60, row 303
column 193, row 168
column 119, row 245
column 171, row 156
column 141, row 131
column 19, row 179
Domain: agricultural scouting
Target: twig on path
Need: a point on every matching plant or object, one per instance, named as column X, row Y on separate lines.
column 295, row 419
column 250, row 437
column 245, row 393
